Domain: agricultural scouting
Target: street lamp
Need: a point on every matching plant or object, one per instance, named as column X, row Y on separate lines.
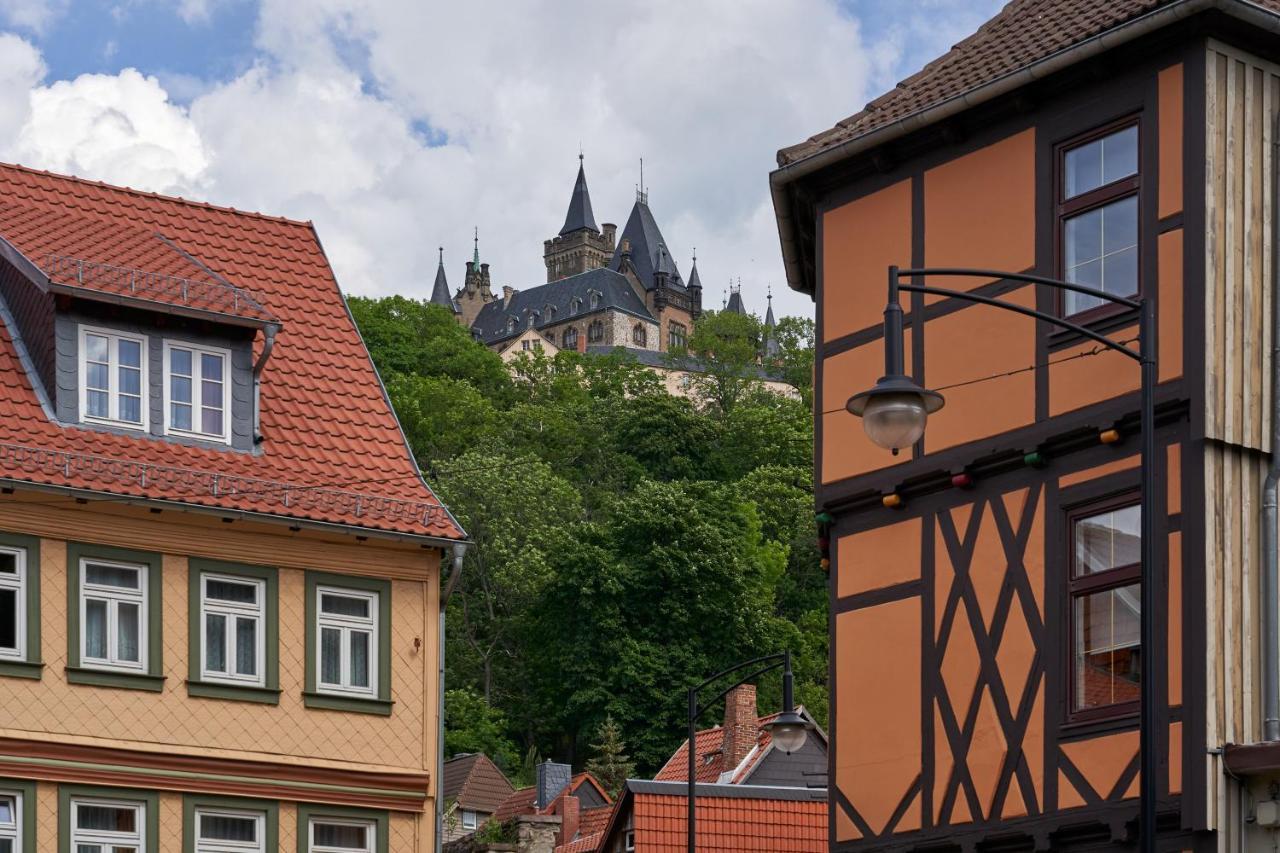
column 895, row 412
column 788, row 730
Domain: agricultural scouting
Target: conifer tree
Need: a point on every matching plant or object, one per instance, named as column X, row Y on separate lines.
column 610, row 764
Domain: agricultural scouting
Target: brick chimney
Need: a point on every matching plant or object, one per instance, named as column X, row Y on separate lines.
column 741, row 725
column 570, row 810
column 507, row 293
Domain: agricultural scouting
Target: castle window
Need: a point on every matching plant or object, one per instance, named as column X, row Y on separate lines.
column 677, row 336
column 595, row 299
column 575, row 305
column 639, row 336
column 570, row 337
column 595, row 332
column 511, row 324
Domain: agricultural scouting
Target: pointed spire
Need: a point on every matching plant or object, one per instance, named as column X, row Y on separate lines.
column 440, row 291
column 694, row 281
column 475, row 259
column 735, row 298
column 770, row 326
column 580, row 216
column 769, row 321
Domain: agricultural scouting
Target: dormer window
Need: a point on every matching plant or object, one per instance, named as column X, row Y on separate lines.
column 197, row 391
column 595, row 299
column 113, row 374
column 576, row 305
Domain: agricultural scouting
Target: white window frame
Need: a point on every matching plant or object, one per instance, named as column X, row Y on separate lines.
column 114, row 596
column 18, row 583
column 13, row 829
column 474, row 819
column 629, row 841
column 370, row 838
column 113, row 366
column 346, row 624
column 197, row 379
column 231, row 611
column 219, row 845
column 104, row 838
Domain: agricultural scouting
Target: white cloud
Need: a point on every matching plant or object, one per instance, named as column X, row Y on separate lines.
column 32, row 15
column 398, row 125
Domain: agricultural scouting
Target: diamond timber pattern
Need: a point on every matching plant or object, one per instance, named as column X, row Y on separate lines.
column 209, row 725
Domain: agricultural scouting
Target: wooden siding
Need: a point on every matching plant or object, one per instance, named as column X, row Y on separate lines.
column 1241, row 100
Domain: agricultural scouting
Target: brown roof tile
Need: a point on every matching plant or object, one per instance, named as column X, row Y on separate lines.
column 475, row 783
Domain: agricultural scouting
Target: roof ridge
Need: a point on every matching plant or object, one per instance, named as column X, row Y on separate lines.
column 204, row 205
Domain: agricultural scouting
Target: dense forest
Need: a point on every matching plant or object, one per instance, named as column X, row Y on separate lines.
column 627, row 542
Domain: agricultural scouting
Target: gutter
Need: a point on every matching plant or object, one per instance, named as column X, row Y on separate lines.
column 1270, row 581
column 782, row 178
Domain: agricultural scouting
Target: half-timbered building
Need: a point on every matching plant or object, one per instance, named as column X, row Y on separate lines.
column 985, row 583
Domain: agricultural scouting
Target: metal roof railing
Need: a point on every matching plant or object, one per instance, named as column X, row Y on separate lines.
column 161, row 287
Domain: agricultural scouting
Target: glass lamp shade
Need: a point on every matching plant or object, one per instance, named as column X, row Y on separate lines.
column 896, row 420
column 789, row 731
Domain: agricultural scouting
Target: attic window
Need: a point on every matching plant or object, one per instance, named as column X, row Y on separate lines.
column 113, row 372
column 595, row 299
column 511, row 324
column 197, row 393
column 575, row 305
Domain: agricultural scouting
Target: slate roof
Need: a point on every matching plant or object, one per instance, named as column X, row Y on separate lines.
column 475, row 783
column 649, row 252
column 730, row 818
column 694, row 280
column 440, row 293
column 579, row 216
column 332, row 451
column 1019, row 35
column 616, row 293
column 709, row 757
column 736, row 305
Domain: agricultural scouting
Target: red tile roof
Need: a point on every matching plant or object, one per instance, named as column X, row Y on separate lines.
column 709, row 763
column 1021, row 34
column 582, row 844
column 523, row 800
column 591, row 821
column 475, row 783
column 332, row 450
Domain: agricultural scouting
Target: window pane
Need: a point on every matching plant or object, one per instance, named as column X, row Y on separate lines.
column 120, row 576
column 1120, row 225
column 181, row 416
column 108, row 818
column 1100, row 250
column 8, row 563
column 243, row 593
column 1108, row 540
column 130, row 381
column 331, row 656
column 131, row 409
column 211, row 421
column 180, row 361
column 215, row 642
column 130, row 353
column 1098, row 163
column 96, row 403
column 95, row 629
column 246, row 646
column 359, row 659
column 1083, row 238
column 211, row 366
column 1107, row 651
column 180, row 389
column 228, row 828
column 128, row 626
column 96, row 376
column 88, row 848
column 95, row 348
column 211, row 393
column 8, row 627
column 341, row 605
column 120, row 849
column 340, row 835
column 7, row 811
column 1120, row 155
column 6, row 845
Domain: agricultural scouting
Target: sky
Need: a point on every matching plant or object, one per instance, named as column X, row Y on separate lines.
column 399, row 126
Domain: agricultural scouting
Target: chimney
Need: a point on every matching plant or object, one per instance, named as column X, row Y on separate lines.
column 552, row 779
column 484, row 278
column 507, row 293
column 741, row 725
column 609, row 230
column 570, row 820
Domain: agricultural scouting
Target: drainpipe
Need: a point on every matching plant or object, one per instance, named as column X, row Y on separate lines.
column 268, row 344
column 1270, row 514
column 459, row 551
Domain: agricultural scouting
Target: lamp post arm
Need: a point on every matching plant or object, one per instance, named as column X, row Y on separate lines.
column 777, row 658
column 1030, row 312
column 1057, row 283
column 744, row 680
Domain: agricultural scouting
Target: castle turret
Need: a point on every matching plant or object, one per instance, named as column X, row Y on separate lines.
column 440, row 291
column 580, row 246
column 695, row 289
column 770, row 328
column 476, row 291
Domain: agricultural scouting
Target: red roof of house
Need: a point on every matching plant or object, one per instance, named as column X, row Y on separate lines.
column 523, row 800
column 709, row 761
column 736, row 819
column 475, row 783
column 591, row 821
column 1019, row 35
column 581, row 844
column 332, row 449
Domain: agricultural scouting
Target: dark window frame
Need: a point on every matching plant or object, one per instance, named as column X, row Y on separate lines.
column 1064, row 209
column 1077, row 587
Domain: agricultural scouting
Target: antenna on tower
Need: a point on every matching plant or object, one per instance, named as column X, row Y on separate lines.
column 642, row 192
column 476, row 256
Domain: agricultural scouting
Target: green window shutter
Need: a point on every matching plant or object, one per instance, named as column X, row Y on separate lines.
column 33, row 665
column 311, row 696
column 269, row 693
column 153, row 679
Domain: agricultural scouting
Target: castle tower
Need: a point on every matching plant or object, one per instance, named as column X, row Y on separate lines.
column 580, row 246
column 770, row 329
column 476, row 291
column 440, row 291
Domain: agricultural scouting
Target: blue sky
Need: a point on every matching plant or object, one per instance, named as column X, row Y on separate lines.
column 400, row 125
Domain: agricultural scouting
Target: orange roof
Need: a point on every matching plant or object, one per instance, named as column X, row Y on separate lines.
column 582, row 844
column 709, row 763
column 332, row 449
column 591, row 821
column 730, row 818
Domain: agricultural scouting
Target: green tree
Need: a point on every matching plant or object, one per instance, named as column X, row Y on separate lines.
column 609, row 763
column 794, row 361
column 473, row 725
column 442, row 417
column 724, row 350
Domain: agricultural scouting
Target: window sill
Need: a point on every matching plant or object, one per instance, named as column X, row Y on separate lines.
column 14, row 668
column 111, row 678
column 233, row 692
column 1088, row 728
column 354, row 704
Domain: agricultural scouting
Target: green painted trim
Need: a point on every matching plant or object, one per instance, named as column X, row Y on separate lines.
column 353, row 704
column 150, row 799
column 233, row 692
column 27, row 788
column 307, row 811
column 113, row 678
column 270, row 827
column 269, row 693
column 33, row 669
column 310, row 695
column 408, row 796
column 153, row 679
column 32, row 666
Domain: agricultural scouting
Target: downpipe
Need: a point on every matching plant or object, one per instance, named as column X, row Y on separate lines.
column 459, row 551
column 1270, row 581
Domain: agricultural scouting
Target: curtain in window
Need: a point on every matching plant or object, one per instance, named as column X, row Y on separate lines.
column 95, row 629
